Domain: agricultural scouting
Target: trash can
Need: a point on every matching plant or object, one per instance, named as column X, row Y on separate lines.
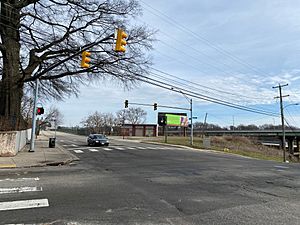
column 51, row 142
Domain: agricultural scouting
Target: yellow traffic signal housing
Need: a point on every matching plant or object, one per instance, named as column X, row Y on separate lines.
column 121, row 42
column 85, row 59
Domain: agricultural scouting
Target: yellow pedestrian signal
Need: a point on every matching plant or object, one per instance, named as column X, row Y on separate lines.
column 121, row 42
column 85, row 59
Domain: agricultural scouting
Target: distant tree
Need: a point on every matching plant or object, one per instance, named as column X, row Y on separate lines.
column 99, row 122
column 94, row 122
column 132, row 115
column 121, row 117
column 207, row 126
column 247, row 127
column 53, row 118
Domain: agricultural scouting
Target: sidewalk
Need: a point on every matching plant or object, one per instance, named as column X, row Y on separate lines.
column 42, row 156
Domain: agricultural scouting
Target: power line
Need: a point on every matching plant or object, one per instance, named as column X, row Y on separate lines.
column 203, row 86
column 200, row 96
column 202, row 39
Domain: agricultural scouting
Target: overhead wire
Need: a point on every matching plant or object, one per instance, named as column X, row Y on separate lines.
column 202, row 39
column 201, row 96
column 203, row 86
column 195, row 51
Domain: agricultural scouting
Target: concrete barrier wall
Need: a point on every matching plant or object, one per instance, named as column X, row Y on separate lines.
column 12, row 142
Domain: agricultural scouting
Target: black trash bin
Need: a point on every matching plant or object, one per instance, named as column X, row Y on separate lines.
column 51, row 142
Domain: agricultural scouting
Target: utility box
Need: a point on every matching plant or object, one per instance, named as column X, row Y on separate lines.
column 206, row 142
column 51, row 142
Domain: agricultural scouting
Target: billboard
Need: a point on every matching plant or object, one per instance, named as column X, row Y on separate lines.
column 173, row 119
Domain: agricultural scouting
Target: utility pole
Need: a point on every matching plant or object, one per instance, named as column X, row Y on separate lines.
column 204, row 124
column 282, row 117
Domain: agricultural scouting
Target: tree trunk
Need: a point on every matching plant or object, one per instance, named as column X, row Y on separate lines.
column 11, row 89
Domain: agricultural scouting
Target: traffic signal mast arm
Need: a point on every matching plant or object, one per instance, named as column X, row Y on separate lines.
column 162, row 106
column 140, row 104
column 172, row 107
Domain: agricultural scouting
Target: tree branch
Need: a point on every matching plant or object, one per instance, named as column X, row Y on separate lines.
column 24, row 3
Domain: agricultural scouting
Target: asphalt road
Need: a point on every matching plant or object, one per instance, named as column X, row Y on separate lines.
column 135, row 183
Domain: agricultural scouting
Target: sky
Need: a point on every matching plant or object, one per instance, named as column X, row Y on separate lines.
column 234, row 51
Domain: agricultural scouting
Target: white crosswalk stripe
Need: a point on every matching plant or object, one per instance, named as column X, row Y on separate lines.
column 78, row 151
column 19, row 190
column 24, row 204
column 10, row 188
column 81, row 150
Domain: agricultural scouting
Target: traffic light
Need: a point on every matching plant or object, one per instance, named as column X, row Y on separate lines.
column 121, row 42
column 85, row 59
column 155, row 106
column 126, row 103
column 40, row 110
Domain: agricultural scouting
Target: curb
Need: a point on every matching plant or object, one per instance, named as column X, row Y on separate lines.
column 74, row 157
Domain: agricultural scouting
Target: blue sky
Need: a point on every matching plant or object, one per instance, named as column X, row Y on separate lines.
column 241, row 47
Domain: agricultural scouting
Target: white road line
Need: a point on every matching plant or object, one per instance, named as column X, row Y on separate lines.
column 24, row 204
column 131, row 148
column 143, row 148
column 19, row 190
column 22, row 179
column 119, row 148
column 281, row 167
column 78, row 151
column 107, row 149
column 61, row 140
column 74, row 145
column 93, row 150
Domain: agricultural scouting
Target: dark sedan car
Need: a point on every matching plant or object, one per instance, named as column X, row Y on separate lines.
column 97, row 139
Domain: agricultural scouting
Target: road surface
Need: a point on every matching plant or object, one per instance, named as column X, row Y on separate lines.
column 136, row 183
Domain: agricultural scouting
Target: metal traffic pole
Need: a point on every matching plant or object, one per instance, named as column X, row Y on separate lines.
column 34, row 116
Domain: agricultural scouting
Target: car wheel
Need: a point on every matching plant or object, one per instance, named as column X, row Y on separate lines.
column 106, row 144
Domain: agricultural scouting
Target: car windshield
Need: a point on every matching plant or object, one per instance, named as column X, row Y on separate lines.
column 99, row 136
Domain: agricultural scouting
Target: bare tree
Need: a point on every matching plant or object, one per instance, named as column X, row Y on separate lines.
column 54, row 115
column 27, row 107
column 121, row 117
column 41, row 39
column 132, row 115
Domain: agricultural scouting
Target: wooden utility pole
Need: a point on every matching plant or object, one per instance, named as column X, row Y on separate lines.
column 282, row 117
